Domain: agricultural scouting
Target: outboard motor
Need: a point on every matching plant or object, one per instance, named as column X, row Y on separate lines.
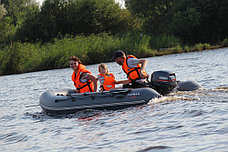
column 163, row 81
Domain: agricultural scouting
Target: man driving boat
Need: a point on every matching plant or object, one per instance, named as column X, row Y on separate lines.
column 133, row 67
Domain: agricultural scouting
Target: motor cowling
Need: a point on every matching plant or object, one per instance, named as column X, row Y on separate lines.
column 163, row 81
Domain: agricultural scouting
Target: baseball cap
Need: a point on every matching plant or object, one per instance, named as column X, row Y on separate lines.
column 117, row 54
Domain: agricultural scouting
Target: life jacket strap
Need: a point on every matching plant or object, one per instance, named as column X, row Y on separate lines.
column 87, row 84
column 102, row 87
column 135, row 69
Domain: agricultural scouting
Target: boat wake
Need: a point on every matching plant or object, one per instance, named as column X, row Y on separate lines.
column 219, row 93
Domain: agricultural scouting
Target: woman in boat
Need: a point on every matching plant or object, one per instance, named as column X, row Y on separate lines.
column 107, row 79
column 83, row 80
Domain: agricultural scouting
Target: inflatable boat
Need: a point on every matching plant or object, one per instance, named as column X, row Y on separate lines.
column 68, row 101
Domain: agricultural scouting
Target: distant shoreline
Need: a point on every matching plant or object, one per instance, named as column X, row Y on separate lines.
column 36, row 57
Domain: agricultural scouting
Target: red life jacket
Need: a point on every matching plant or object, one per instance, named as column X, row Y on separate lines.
column 82, row 87
column 109, row 82
column 132, row 73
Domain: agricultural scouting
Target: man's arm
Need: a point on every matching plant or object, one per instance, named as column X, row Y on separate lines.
column 143, row 62
column 122, row 82
column 132, row 62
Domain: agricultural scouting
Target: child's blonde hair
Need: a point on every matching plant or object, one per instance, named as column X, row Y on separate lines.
column 104, row 66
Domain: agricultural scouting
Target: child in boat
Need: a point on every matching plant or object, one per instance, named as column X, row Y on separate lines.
column 106, row 79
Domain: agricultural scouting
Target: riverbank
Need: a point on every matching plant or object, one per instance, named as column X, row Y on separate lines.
column 29, row 57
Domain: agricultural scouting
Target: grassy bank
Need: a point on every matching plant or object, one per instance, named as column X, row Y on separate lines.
column 28, row 57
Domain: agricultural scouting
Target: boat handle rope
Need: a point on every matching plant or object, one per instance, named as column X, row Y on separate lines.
column 106, row 94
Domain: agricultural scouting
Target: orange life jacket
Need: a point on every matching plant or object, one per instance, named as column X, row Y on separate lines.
column 82, row 87
column 132, row 73
column 109, row 82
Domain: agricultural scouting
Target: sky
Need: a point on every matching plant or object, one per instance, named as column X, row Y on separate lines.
column 119, row 1
column 40, row 1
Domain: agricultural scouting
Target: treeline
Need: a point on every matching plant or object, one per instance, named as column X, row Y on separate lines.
column 192, row 21
column 57, row 18
column 34, row 37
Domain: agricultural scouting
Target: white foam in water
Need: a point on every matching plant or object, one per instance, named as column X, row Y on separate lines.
column 187, row 96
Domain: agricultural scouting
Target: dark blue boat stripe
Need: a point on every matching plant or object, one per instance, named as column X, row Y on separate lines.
column 94, row 106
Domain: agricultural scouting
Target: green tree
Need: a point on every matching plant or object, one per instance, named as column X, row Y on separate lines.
column 185, row 20
column 192, row 21
column 17, row 11
column 61, row 17
column 153, row 13
column 200, row 21
column 2, row 11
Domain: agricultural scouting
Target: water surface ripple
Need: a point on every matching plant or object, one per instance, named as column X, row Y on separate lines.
column 183, row 121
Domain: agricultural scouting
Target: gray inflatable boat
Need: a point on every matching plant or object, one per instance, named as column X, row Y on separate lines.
column 67, row 101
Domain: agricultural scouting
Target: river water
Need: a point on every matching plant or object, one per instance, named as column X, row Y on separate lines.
column 184, row 121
